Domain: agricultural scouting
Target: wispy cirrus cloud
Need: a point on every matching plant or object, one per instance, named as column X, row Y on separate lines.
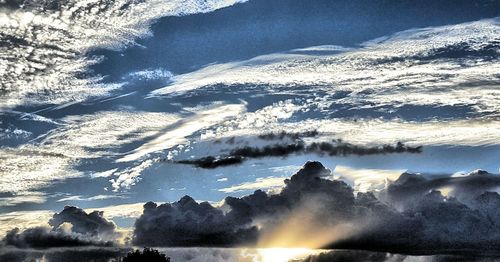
column 414, row 67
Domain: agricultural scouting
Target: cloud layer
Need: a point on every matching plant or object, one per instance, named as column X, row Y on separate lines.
column 46, row 43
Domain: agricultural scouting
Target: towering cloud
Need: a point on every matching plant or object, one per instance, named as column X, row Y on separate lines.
column 252, row 219
column 187, row 223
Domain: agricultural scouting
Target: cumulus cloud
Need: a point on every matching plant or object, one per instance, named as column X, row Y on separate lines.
column 410, row 187
column 92, row 223
column 314, row 211
column 336, row 148
column 195, row 223
column 188, row 223
column 68, row 228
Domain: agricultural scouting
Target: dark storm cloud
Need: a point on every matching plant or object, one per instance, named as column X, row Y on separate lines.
column 434, row 223
column 84, row 230
column 336, row 148
column 44, row 237
column 187, row 223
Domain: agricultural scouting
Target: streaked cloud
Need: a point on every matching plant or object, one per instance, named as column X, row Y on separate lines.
column 93, row 198
column 53, row 156
column 410, row 68
column 467, row 132
column 179, row 131
column 259, row 183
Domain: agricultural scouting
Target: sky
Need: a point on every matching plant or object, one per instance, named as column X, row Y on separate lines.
column 110, row 105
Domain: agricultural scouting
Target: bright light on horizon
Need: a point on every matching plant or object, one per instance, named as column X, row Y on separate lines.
column 283, row 254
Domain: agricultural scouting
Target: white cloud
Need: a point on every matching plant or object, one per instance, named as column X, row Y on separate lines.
column 93, row 198
column 57, row 39
column 54, row 155
column 25, row 219
column 23, row 197
column 287, row 170
column 151, row 74
column 106, row 173
column 130, row 176
column 467, row 132
column 364, row 180
column 31, row 167
column 105, row 131
column 178, row 133
column 260, row 183
column 133, row 210
column 393, row 71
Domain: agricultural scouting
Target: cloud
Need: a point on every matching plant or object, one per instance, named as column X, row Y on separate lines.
column 92, row 223
column 369, row 131
column 130, row 176
column 179, row 131
column 65, row 31
column 260, row 183
column 210, row 162
column 410, row 187
column 68, row 228
column 43, row 237
column 188, row 223
column 336, row 148
column 364, row 180
column 151, row 74
column 82, row 198
column 121, row 211
column 414, row 67
column 283, row 134
column 314, row 211
column 53, row 156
